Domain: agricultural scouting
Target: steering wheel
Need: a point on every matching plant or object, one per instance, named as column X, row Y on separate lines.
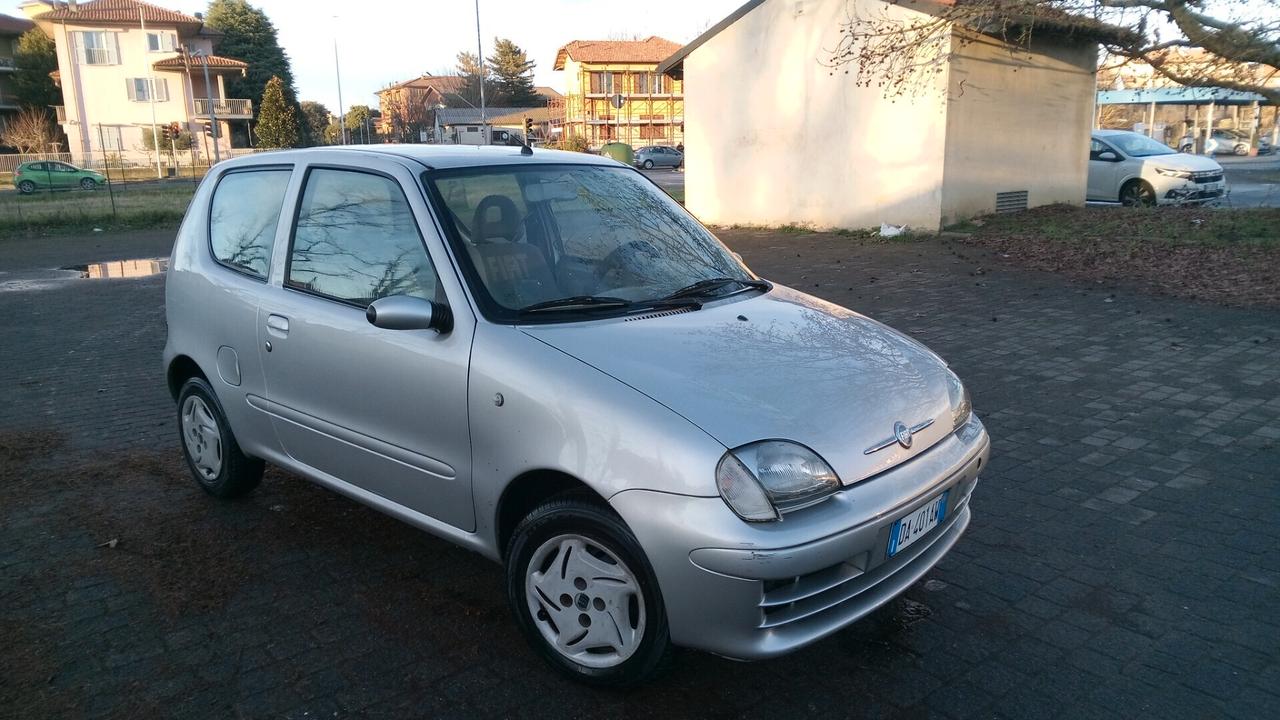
column 507, row 226
column 614, row 260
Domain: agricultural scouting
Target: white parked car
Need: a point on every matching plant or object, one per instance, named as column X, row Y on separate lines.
column 1133, row 169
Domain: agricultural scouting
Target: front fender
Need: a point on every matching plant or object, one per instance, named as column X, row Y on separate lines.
column 557, row 413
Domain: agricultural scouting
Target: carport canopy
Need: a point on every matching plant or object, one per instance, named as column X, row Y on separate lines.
column 1179, row 96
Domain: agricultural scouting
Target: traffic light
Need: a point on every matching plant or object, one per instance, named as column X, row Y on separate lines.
column 174, row 130
column 528, row 127
column 165, row 132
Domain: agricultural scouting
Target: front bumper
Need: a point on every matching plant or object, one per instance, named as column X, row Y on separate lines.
column 754, row 591
column 1180, row 192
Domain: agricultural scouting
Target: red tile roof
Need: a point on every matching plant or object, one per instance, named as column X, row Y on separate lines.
column 652, row 49
column 10, row 25
column 442, row 83
column 215, row 61
column 116, row 12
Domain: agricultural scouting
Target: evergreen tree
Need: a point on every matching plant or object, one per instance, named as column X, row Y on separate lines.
column 315, row 118
column 512, row 75
column 248, row 35
column 277, row 119
column 470, row 67
column 35, row 57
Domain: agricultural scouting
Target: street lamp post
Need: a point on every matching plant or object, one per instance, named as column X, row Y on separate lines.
column 213, row 112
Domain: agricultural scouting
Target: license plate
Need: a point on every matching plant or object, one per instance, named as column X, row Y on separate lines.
column 914, row 526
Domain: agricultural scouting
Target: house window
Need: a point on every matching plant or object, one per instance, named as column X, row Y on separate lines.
column 110, row 138
column 140, row 89
column 602, row 82
column 653, row 132
column 161, row 42
column 655, row 83
column 96, row 47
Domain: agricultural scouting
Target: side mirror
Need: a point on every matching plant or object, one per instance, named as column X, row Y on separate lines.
column 402, row 312
column 1108, row 156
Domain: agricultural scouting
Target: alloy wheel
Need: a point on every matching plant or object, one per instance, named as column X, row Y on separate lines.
column 1137, row 194
column 585, row 601
column 202, row 438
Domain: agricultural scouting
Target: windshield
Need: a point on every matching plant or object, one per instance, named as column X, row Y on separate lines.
column 1135, row 145
column 566, row 242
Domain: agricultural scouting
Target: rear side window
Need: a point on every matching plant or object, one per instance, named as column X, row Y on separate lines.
column 243, row 218
column 356, row 240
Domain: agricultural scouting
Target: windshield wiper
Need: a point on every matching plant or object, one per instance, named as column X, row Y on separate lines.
column 576, row 302
column 710, row 285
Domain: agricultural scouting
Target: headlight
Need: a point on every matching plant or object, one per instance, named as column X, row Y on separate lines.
column 961, row 404
column 764, row 480
column 1170, row 172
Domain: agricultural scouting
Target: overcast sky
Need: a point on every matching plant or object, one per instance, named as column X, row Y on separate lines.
column 384, row 42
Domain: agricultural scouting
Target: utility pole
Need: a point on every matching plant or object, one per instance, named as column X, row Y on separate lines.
column 151, row 95
column 337, row 71
column 484, row 119
column 213, row 110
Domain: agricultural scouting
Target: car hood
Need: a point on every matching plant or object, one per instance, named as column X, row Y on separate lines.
column 783, row 365
column 1183, row 161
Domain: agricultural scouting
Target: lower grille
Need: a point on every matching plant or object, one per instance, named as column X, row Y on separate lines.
column 796, row 599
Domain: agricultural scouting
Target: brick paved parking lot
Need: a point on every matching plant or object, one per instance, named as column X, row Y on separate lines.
column 1122, row 562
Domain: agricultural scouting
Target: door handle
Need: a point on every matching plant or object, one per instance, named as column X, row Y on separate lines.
column 278, row 325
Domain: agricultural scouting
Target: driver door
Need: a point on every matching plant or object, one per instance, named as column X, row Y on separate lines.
column 1102, row 173
column 383, row 410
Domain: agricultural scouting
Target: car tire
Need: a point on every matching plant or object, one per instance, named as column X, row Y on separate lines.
column 1186, row 148
column 88, row 184
column 648, row 164
column 1137, row 193
column 26, row 187
column 627, row 609
column 213, row 456
column 1242, row 149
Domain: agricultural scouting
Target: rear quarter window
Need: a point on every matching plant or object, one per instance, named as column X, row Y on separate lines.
column 243, row 216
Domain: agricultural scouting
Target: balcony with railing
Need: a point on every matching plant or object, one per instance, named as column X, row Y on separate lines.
column 224, row 108
column 61, row 112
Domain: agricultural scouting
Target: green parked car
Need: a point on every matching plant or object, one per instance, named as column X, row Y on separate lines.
column 45, row 174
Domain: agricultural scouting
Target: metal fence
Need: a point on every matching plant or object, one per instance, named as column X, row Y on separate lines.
column 120, row 161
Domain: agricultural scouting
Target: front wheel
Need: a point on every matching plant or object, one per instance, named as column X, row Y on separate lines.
column 648, row 164
column 26, row 187
column 88, row 184
column 1137, row 193
column 584, row 595
column 1242, row 149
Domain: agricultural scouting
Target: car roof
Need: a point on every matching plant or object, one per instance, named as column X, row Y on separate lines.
column 434, row 157
column 1112, row 133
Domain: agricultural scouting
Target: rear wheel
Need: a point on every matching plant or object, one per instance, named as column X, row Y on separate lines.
column 584, row 595
column 213, row 456
column 26, row 187
column 1242, row 149
column 1137, row 193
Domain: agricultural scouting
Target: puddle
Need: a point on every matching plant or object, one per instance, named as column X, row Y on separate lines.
column 30, row 280
column 121, row 268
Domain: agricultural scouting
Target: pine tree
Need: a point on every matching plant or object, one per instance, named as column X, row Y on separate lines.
column 35, row 57
column 512, row 75
column 277, row 120
column 249, row 35
column 470, row 67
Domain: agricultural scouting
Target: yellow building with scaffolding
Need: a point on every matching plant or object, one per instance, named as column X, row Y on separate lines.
column 602, row 74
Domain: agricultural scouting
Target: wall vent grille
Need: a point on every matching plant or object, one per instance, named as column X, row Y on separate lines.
column 1012, row 201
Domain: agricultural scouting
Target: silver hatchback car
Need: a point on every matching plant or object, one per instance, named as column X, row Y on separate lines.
column 540, row 356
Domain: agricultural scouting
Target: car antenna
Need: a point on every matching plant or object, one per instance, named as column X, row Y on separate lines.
column 526, row 149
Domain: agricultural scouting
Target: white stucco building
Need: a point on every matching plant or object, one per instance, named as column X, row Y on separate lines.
column 127, row 66
column 775, row 135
